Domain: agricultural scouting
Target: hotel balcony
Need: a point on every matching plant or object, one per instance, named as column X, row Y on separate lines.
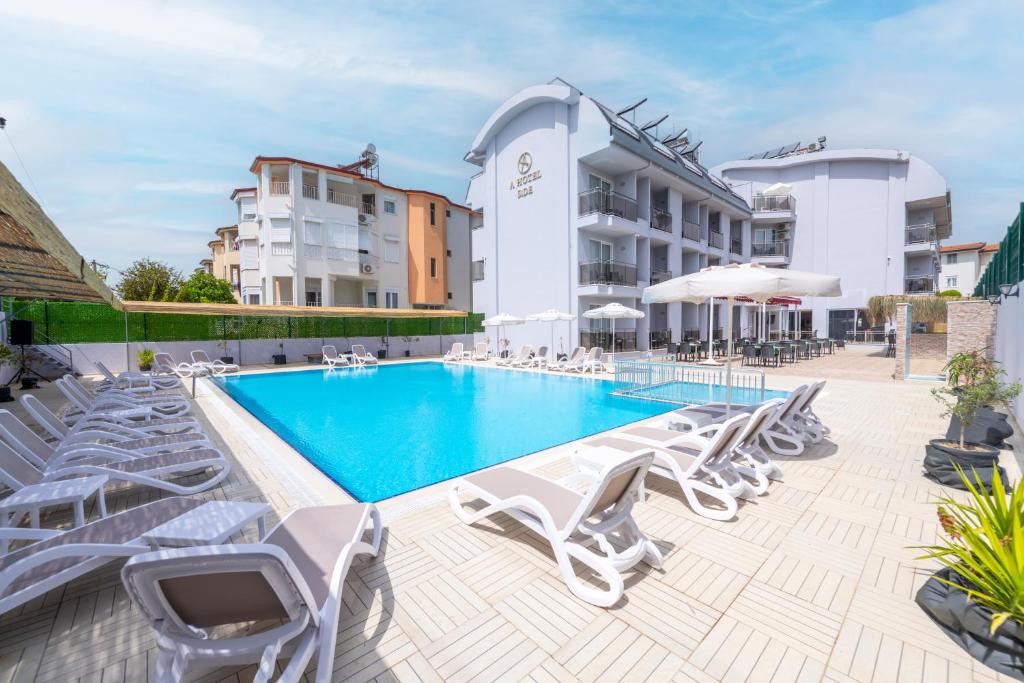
column 736, row 246
column 773, row 207
column 279, row 188
column 922, row 234
column 661, row 220
column 310, row 192
column 341, row 198
column 607, row 212
column 625, row 340
column 608, row 278
column 716, row 239
column 919, row 284
column 691, row 231
column 368, row 208
column 770, row 252
column 660, row 276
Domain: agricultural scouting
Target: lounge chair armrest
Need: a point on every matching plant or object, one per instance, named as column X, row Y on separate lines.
column 26, row 534
column 577, row 479
column 79, row 451
column 60, row 552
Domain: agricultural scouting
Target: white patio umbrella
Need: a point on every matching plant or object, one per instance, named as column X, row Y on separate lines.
column 613, row 311
column 552, row 316
column 501, row 320
column 751, row 280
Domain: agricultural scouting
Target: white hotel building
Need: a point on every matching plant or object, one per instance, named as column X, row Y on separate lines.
column 581, row 208
column 874, row 217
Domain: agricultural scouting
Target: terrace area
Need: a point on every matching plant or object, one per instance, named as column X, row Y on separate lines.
column 813, row 581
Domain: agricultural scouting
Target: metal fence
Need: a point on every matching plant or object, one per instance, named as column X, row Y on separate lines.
column 1007, row 264
column 64, row 322
column 686, row 384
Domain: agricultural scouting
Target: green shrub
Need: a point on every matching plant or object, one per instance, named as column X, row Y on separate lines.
column 984, row 546
column 955, row 293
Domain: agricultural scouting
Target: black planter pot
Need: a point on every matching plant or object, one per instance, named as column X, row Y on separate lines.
column 967, row 623
column 279, row 359
column 988, row 427
column 28, row 383
column 145, row 367
column 5, row 394
column 408, row 353
column 940, row 458
column 382, row 353
column 227, row 359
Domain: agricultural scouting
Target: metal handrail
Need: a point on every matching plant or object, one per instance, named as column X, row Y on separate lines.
column 683, row 383
column 691, row 231
column 608, row 273
column 661, row 219
column 715, row 239
column 920, row 232
column 596, row 200
column 49, row 342
column 776, row 248
column 279, row 187
column 783, row 202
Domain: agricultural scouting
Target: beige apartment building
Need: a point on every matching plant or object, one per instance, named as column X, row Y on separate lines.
column 319, row 235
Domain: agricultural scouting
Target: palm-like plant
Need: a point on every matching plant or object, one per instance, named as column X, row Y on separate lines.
column 985, row 546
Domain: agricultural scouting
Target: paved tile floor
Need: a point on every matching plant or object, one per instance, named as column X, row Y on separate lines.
column 812, row 582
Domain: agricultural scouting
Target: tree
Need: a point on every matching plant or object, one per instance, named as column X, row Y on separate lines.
column 149, row 280
column 204, row 288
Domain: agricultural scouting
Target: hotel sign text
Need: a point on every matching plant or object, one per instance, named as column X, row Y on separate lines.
column 523, row 185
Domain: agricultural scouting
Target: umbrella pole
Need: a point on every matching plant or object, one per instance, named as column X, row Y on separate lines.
column 728, row 358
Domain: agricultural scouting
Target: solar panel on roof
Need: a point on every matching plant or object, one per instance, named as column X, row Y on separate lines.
column 774, row 153
column 626, row 127
column 789, row 149
column 663, row 149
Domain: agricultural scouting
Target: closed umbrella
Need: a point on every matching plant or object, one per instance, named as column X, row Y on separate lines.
column 501, row 320
column 751, row 280
column 613, row 311
column 551, row 316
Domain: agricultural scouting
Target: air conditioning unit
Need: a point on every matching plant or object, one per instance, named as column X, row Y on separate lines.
column 814, row 147
column 364, row 218
column 367, row 268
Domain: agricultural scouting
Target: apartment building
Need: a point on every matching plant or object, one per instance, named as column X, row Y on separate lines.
column 225, row 262
column 319, row 235
column 874, row 217
column 962, row 265
column 580, row 206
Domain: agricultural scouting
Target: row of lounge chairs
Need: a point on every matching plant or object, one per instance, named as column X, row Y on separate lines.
column 140, row 429
column 357, row 356
column 712, row 450
column 580, row 360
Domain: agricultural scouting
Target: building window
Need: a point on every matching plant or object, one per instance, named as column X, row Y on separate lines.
column 391, row 299
column 253, row 300
column 449, row 296
column 449, row 252
column 476, row 270
column 371, row 298
column 447, row 213
column 433, row 210
column 433, row 267
column 391, row 250
column 314, row 234
column 951, row 259
column 951, row 282
column 389, row 207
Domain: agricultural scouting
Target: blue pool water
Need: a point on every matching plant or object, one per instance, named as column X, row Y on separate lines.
column 693, row 392
column 379, row 432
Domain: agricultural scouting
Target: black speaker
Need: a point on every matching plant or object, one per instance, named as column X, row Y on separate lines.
column 21, row 333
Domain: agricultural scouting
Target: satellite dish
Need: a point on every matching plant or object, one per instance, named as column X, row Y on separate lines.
column 371, row 148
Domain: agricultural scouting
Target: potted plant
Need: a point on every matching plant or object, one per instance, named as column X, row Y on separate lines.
column 225, row 358
column 279, row 358
column 383, row 351
column 7, row 358
column 974, row 385
column 28, row 380
column 145, row 358
column 975, row 597
column 409, row 340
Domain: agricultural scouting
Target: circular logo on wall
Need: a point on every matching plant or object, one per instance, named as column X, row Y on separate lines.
column 525, row 163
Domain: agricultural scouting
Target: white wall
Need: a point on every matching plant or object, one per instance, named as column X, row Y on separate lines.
column 457, row 234
column 1009, row 351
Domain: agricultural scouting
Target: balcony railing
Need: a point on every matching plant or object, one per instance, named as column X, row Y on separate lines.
column 368, row 208
column 920, row 233
column 783, row 202
column 736, row 246
column 279, row 187
column 340, row 254
column 716, row 239
column 660, row 276
column 608, row 273
column 597, row 200
column 313, row 250
column 338, row 197
column 661, row 220
column 280, row 248
column 311, row 192
column 625, row 340
column 691, row 231
column 919, row 284
column 248, row 216
column 660, row 338
column 776, row 248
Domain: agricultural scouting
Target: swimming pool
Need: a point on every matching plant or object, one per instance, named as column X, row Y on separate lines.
column 382, row 431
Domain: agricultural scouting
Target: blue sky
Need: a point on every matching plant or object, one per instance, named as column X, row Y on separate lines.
column 136, row 119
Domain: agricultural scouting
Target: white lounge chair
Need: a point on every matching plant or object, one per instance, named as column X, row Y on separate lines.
column 455, row 354
column 361, row 357
column 113, row 400
column 58, row 557
column 540, row 359
column 591, row 362
column 524, row 353
column 145, row 470
column 331, row 357
column 480, row 352
column 571, row 362
column 803, row 418
column 748, row 454
column 59, row 429
column 134, row 381
column 570, row 521
column 217, row 367
column 696, row 464
column 164, row 365
column 294, row 576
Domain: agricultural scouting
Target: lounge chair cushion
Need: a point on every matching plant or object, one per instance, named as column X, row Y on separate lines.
column 120, row 528
column 169, row 440
column 155, row 462
column 207, row 600
column 506, row 482
column 684, row 455
column 314, row 537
